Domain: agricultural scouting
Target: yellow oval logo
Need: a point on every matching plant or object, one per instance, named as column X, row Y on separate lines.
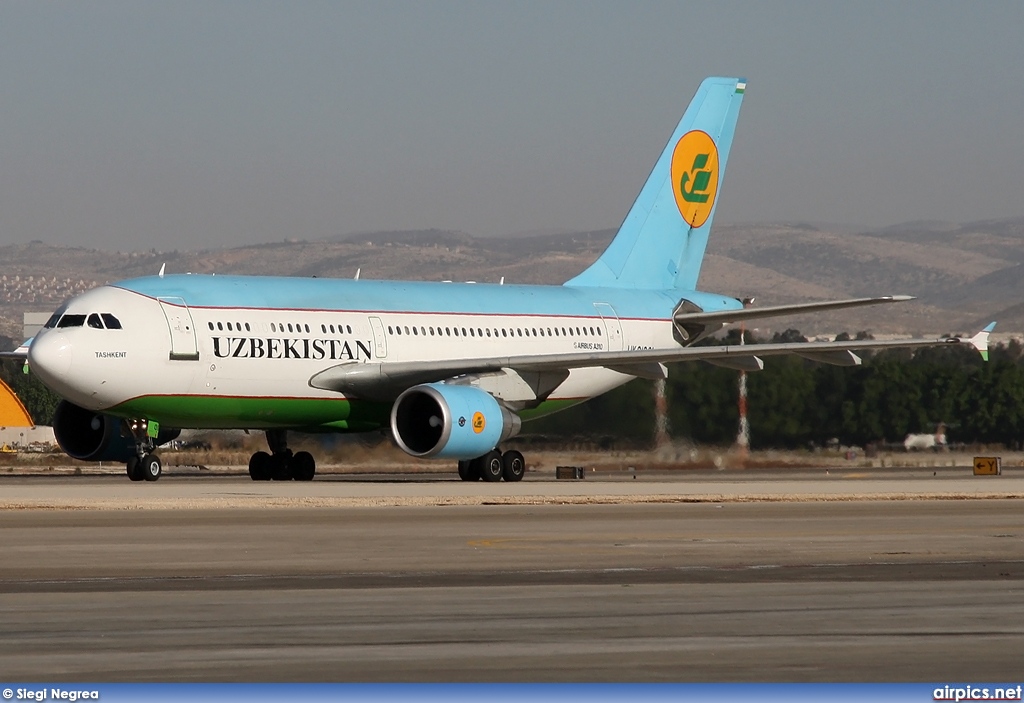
column 694, row 175
column 479, row 423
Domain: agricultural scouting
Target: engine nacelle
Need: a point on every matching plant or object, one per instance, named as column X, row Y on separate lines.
column 91, row 436
column 458, row 422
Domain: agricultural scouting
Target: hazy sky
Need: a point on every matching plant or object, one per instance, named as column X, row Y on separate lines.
column 212, row 124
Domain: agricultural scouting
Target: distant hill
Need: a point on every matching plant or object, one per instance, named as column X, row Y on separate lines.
column 963, row 274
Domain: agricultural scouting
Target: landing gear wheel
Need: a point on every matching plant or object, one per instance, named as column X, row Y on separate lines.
column 281, row 466
column 303, row 466
column 151, row 467
column 468, row 471
column 490, row 466
column 259, row 466
column 513, row 466
column 135, row 469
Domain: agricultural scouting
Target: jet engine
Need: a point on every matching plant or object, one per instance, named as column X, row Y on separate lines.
column 91, row 436
column 458, row 422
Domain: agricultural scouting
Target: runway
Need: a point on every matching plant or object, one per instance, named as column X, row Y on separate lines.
column 559, row 589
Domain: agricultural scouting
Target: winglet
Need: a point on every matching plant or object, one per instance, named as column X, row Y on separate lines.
column 163, row 267
column 980, row 340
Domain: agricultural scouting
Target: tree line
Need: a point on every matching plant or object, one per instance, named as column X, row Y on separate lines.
column 791, row 403
column 794, row 402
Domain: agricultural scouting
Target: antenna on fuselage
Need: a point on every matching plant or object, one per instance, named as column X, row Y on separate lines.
column 162, row 267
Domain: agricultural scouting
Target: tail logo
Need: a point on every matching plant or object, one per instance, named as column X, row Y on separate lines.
column 694, row 176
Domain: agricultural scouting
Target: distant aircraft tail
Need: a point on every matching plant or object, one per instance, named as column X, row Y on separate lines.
column 660, row 244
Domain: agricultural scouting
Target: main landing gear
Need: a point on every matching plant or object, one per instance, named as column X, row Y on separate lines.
column 145, row 465
column 281, row 464
column 495, row 465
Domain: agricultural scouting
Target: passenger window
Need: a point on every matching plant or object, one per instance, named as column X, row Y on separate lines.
column 503, row 333
column 229, row 327
column 273, row 327
column 247, row 327
column 211, row 325
column 349, row 329
column 71, row 321
column 220, row 326
column 95, row 322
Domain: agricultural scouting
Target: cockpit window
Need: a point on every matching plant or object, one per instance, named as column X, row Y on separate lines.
column 110, row 321
column 52, row 322
column 94, row 321
column 71, row 321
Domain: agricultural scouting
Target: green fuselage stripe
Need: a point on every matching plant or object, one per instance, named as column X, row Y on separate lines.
column 310, row 414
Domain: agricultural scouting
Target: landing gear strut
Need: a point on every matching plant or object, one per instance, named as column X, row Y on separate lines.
column 280, row 464
column 145, row 465
column 493, row 466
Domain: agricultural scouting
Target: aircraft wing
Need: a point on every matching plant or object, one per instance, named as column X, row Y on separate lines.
column 21, row 353
column 382, row 381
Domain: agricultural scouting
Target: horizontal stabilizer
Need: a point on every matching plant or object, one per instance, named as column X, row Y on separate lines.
column 741, row 314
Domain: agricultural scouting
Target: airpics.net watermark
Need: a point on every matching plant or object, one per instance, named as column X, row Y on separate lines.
column 50, row 694
column 978, row 693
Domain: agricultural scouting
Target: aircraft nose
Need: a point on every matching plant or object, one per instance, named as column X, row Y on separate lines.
column 50, row 355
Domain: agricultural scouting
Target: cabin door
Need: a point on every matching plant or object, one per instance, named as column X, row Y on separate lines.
column 183, row 332
column 611, row 324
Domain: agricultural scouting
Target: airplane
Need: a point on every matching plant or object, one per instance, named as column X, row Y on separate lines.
column 450, row 369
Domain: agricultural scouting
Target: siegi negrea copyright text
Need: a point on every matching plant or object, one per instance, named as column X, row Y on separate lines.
column 51, row 694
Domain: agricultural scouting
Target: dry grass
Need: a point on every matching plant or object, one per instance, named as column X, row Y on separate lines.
column 232, row 454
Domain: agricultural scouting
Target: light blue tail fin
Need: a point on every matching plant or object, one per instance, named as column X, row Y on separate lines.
column 660, row 244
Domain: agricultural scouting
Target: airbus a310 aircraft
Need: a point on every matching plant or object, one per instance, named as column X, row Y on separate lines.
column 452, row 369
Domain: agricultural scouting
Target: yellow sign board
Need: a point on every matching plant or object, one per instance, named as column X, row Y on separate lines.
column 988, row 466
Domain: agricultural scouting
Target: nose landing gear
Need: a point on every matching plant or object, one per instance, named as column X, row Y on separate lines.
column 281, row 464
column 145, row 465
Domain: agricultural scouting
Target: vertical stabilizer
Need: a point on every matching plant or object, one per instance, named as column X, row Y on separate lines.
column 660, row 244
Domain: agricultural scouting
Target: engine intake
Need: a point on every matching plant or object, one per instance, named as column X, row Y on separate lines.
column 442, row 420
column 90, row 436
